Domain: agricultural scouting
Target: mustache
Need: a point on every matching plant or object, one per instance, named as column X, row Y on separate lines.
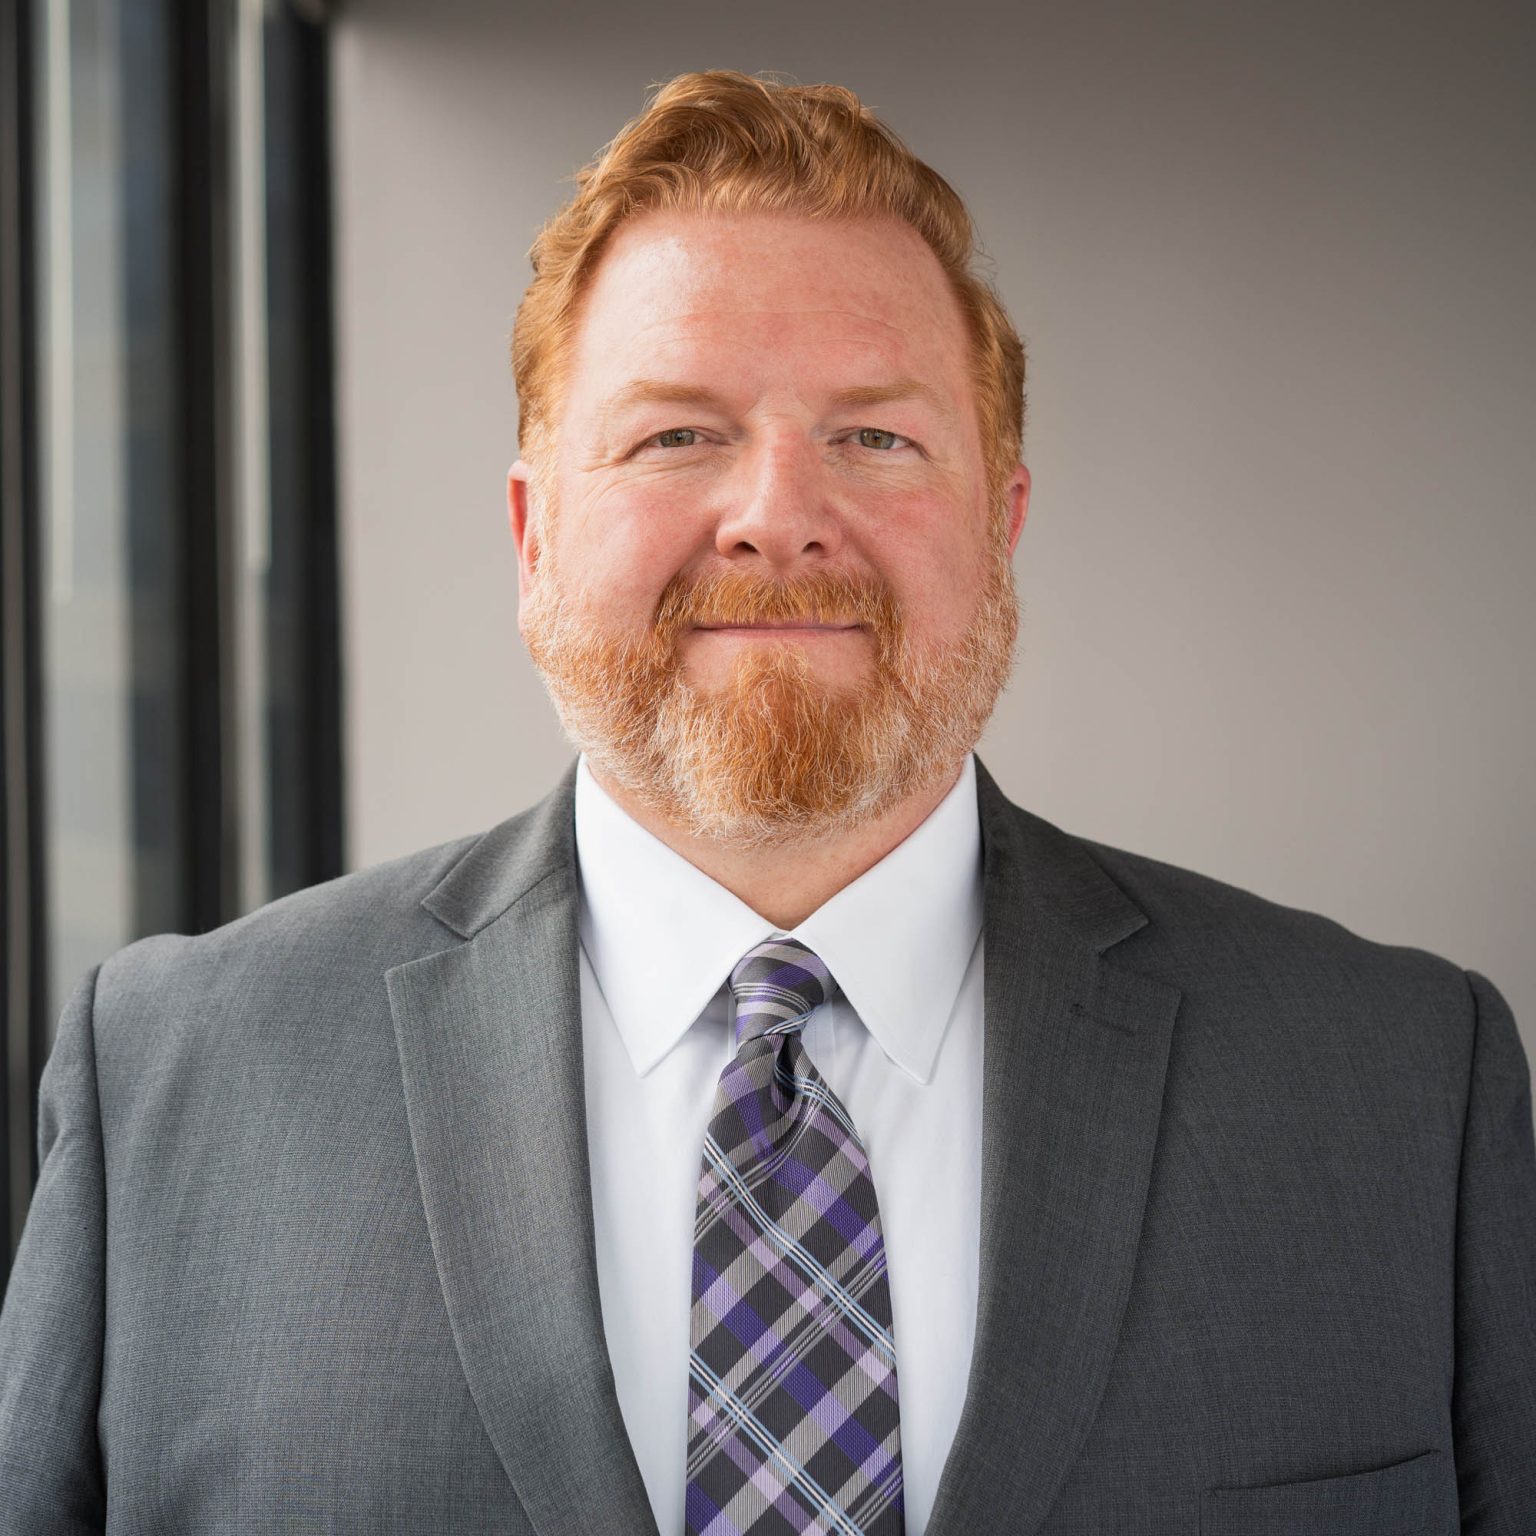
column 754, row 597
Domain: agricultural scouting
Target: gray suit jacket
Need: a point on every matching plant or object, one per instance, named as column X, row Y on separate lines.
column 312, row 1248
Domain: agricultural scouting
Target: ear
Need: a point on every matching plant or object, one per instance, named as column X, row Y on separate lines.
column 526, row 538
column 1018, row 506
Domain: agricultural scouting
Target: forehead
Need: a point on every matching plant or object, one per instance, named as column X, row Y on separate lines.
column 766, row 300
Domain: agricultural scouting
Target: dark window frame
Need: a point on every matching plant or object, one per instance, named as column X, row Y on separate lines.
column 23, row 888
column 305, row 839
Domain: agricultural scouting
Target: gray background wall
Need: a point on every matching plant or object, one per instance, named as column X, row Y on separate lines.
column 1273, row 267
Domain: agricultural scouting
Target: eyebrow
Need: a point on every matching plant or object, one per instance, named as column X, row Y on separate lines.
column 664, row 392
column 897, row 389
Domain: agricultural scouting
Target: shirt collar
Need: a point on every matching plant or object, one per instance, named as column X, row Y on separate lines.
column 661, row 936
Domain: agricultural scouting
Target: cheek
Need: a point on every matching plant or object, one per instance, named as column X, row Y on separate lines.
column 927, row 552
column 629, row 546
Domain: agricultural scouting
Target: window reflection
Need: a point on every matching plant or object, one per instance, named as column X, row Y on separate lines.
column 157, row 441
column 111, row 697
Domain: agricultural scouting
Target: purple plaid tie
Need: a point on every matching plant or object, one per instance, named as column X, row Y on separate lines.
column 793, row 1422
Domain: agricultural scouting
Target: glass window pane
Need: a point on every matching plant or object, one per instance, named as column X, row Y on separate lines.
column 108, row 482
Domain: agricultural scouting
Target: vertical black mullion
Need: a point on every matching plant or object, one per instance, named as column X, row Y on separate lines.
column 153, row 464
column 304, row 664
column 23, row 875
column 203, row 127
column 323, row 714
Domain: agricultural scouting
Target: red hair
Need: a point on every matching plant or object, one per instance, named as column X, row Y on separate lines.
column 722, row 141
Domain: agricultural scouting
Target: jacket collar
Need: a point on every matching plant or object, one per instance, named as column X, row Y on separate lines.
column 899, row 938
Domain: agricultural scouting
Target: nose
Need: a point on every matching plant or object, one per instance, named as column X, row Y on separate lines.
column 779, row 505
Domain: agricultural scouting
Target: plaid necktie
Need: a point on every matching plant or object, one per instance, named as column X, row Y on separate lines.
column 793, row 1423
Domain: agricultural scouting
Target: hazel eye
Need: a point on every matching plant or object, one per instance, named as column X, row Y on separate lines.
column 877, row 437
column 675, row 437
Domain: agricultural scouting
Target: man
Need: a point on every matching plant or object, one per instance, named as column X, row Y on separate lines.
column 775, row 1128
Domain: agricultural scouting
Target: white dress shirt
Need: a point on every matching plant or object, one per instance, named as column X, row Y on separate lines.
column 900, row 1045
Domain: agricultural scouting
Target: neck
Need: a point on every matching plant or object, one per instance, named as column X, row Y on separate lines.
column 786, row 890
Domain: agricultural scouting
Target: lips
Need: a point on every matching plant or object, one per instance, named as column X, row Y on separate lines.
column 792, row 625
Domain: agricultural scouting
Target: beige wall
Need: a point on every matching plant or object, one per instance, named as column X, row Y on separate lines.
column 1272, row 264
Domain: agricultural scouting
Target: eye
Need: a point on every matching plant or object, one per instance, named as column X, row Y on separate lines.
column 673, row 437
column 878, row 437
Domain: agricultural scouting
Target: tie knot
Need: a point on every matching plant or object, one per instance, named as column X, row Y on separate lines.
column 777, row 985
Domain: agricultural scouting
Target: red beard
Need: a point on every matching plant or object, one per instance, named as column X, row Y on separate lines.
column 777, row 754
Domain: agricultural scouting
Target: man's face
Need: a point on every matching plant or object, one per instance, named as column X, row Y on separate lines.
column 768, row 421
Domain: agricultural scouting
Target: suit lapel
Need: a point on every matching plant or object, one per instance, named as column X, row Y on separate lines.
column 489, row 1034
column 1075, row 1051
column 1075, row 1054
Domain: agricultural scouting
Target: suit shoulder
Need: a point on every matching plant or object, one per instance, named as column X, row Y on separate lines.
column 367, row 918
column 1200, row 923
